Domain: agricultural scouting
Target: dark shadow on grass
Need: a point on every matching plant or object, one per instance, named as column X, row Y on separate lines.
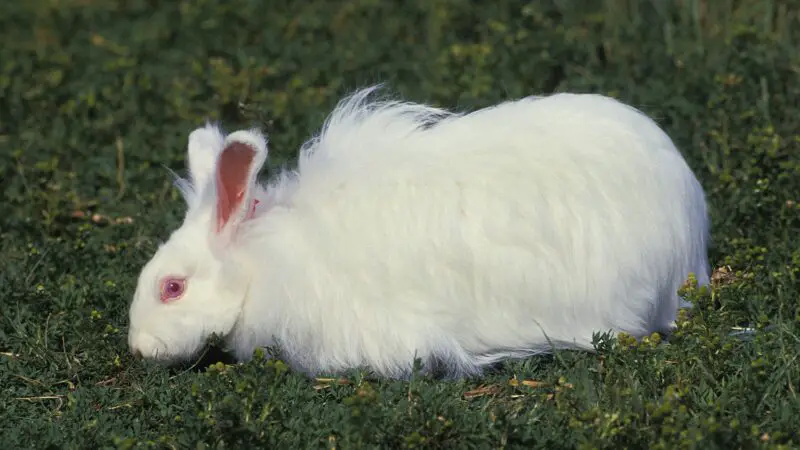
column 213, row 355
column 210, row 355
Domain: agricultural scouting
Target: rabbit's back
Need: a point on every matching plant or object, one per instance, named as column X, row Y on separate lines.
column 503, row 232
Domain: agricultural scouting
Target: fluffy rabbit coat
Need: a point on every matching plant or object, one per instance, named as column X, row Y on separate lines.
column 409, row 232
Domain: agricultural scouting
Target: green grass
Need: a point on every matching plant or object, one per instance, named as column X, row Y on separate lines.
column 97, row 96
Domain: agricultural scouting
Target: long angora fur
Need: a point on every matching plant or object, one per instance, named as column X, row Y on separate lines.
column 407, row 231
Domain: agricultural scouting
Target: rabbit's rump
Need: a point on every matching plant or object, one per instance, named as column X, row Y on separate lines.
column 505, row 232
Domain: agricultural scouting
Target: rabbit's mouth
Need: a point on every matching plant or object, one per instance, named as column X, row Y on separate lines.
column 197, row 355
column 144, row 345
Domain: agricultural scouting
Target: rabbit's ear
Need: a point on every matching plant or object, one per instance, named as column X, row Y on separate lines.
column 237, row 167
column 205, row 145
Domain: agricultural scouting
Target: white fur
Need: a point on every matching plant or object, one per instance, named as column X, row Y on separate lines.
column 204, row 146
column 407, row 231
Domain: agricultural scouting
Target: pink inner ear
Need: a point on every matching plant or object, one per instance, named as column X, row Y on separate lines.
column 233, row 170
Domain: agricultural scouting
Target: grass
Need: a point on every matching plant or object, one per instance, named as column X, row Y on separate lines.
column 97, row 96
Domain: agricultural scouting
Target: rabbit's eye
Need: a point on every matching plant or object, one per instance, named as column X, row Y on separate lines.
column 172, row 289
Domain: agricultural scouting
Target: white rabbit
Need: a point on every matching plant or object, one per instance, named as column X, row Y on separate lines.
column 410, row 232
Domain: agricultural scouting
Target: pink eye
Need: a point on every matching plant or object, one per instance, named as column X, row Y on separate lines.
column 172, row 289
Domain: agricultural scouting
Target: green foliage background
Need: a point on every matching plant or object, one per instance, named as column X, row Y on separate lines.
column 97, row 96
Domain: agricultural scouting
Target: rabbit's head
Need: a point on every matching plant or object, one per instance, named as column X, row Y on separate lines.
column 194, row 285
